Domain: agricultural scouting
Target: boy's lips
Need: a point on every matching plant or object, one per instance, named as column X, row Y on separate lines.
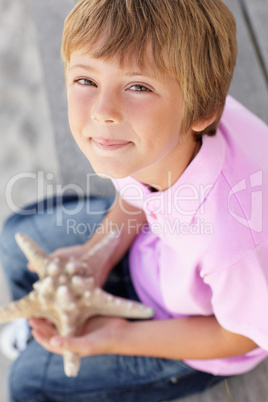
column 109, row 145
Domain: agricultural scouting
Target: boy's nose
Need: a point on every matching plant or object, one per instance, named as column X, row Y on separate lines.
column 103, row 119
column 106, row 110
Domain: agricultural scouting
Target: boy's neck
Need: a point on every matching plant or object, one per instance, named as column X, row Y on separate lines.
column 162, row 177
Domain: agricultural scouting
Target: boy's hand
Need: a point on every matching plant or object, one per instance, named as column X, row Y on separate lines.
column 77, row 252
column 64, row 253
column 98, row 336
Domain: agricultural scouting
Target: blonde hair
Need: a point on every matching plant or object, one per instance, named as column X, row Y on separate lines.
column 198, row 36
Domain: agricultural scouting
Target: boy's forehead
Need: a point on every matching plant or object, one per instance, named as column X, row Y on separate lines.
column 128, row 63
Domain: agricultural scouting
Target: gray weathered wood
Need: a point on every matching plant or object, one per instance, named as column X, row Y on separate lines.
column 75, row 169
column 215, row 394
column 257, row 11
column 251, row 387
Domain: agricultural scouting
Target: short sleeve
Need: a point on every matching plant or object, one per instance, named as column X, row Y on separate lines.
column 240, row 296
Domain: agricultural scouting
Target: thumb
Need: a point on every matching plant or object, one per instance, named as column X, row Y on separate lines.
column 79, row 345
column 31, row 267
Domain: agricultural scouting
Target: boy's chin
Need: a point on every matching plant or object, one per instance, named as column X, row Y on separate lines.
column 108, row 169
column 110, row 175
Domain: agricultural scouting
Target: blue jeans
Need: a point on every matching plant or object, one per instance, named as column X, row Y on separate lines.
column 37, row 375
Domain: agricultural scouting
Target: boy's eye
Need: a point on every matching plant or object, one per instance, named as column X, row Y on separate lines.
column 139, row 88
column 85, row 82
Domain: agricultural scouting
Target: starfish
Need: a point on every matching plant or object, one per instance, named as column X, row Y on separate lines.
column 67, row 293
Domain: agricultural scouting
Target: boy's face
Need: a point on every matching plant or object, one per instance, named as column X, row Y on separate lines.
column 126, row 122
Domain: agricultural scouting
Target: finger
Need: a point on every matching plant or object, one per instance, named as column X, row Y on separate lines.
column 31, row 267
column 66, row 252
column 44, row 341
column 79, row 345
column 63, row 255
column 43, row 325
column 45, row 332
column 41, row 321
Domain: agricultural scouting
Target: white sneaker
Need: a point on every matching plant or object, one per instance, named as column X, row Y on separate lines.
column 14, row 338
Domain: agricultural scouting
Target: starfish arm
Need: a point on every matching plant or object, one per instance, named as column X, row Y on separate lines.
column 23, row 308
column 104, row 303
column 33, row 252
column 67, row 293
column 71, row 362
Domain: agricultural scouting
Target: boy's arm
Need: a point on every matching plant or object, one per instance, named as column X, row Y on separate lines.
column 181, row 338
column 192, row 338
column 128, row 220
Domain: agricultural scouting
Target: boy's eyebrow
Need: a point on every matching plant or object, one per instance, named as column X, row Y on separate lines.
column 83, row 66
column 92, row 69
column 138, row 73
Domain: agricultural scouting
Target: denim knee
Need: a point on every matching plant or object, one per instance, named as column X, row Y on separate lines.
column 12, row 259
column 8, row 244
column 25, row 379
column 40, row 222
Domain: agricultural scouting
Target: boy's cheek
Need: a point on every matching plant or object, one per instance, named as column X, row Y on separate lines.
column 78, row 98
column 78, row 113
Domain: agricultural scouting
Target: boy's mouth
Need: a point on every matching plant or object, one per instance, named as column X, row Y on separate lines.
column 109, row 145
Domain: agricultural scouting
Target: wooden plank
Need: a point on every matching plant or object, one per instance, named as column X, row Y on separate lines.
column 251, row 387
column 217, row 393
column 49, row 18
column 257, row 12
column 248, row 86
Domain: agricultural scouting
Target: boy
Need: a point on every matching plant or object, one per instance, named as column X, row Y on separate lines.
column 147, row 82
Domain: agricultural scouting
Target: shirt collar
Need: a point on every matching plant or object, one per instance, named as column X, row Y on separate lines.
column 184, row 197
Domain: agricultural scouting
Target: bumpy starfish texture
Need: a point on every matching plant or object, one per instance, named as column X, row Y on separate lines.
column 67, row 293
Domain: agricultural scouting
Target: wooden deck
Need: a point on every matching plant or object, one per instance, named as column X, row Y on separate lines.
column 250, row 86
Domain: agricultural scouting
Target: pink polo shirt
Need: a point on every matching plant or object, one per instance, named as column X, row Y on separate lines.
column 205, row 249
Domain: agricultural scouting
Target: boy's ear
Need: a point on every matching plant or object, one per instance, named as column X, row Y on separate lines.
column 204, row 123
